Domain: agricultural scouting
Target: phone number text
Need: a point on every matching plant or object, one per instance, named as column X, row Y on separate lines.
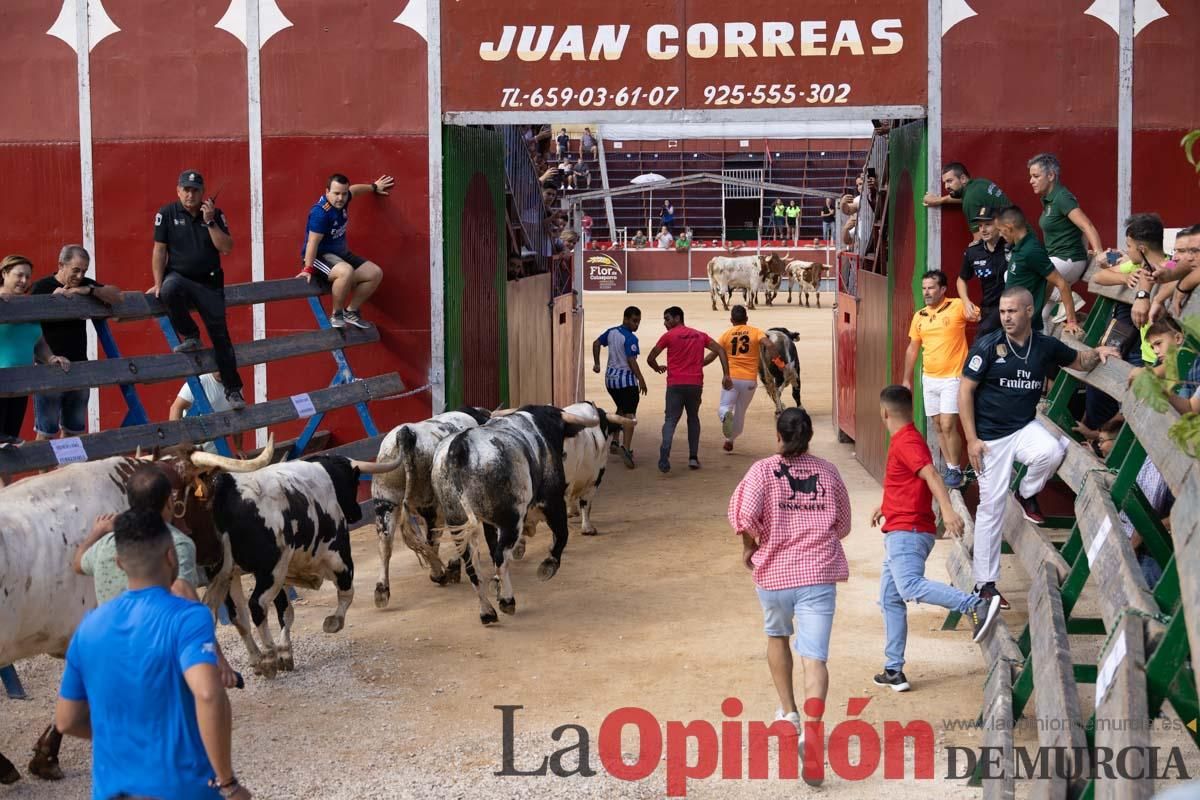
column 763, row 94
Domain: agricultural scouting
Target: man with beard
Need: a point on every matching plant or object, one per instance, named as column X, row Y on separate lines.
column 970, row 193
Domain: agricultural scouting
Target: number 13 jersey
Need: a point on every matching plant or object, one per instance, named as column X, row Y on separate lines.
column 741, row 344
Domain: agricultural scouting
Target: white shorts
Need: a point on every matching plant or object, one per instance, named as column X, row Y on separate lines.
column 941, row 395
column 1071, row 271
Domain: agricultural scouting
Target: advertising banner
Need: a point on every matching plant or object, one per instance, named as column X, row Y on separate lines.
column 605, row 271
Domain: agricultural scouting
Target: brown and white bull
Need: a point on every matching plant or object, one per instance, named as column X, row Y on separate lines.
column 752, row 274
column 806, row 274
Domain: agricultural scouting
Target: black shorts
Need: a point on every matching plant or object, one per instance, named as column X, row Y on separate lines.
column 325, row 262
column 626, row 398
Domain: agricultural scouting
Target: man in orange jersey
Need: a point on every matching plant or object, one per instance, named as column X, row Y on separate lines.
column 741, row 344
column 939, row 332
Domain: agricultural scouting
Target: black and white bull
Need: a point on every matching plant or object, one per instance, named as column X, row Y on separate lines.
column 285, row 524
column 404, row 497
column 773, row 377
column 496, row 482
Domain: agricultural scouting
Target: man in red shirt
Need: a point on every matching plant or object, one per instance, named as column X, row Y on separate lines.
column 910, row 484
column 685, row 381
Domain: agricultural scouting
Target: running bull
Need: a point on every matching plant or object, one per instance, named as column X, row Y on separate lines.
column 774, row 377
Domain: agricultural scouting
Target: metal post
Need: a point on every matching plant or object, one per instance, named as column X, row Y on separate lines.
column 608, row 206
column 933, row 129
column 1125, row 115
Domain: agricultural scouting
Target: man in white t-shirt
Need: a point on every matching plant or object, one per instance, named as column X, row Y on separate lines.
column 215, row 392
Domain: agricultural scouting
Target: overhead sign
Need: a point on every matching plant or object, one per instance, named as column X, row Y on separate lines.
column 544, row 55
column 604, row 271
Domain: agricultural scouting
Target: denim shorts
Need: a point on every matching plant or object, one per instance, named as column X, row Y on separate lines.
column 811, row 606
column 68, row 410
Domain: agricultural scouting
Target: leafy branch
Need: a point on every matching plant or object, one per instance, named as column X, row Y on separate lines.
column 1189, row 144
column 1153, row 390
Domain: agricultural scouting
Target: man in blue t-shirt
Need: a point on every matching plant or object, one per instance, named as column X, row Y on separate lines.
column 623, row 378
column 324, row 250
column 141, row 681
column 1001, row 385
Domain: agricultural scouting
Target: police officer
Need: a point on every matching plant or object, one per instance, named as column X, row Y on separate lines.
column 985, row 259
column 190, row 236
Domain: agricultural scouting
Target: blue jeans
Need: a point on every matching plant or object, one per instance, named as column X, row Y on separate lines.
column 902, row 581
column 12, row 682
column 66, row 411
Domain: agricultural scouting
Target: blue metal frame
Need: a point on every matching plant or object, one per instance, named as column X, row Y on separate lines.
column 136, row 415
column 200, row 404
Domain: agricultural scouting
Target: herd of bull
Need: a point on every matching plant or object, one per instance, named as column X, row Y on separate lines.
column 762, row 273
column 482, row 479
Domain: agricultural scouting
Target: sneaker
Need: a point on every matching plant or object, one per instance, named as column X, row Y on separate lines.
column 894, row 680
column 627, row 457
column 983, row 615
column 189, row 345
column 1031, row 510
column 337, row 319
column 727, row 424
column 1060, row 311
column 693, row 463
column 953, row 477
column 988, row 591
column 354, row 318
column 728, row 446
column 794, row 718
column 614, row 447
column 664, row 466
column 10, row 441
column 235, row 399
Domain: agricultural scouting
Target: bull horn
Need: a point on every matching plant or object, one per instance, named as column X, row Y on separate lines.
column 583, row 422
column 622, row 421
column 375, row 467
column 504, row 412
column 203, row 459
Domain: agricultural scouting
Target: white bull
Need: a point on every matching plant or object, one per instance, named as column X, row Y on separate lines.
column 750, row 273
column 807, row 274
column 584, row 458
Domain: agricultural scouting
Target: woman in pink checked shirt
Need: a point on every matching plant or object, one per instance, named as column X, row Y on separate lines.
column 792, row 511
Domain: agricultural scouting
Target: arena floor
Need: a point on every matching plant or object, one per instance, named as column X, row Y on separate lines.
column 657, row 612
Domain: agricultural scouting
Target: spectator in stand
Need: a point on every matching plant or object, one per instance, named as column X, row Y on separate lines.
column 986, row 258
column 665, row 239
column 1179, row 276
column 214, row 392
column 589, row 148
column 910, row 485
column 778, row 218
column 190, row 237
column 1064, row 226
column 142, row 681
column 743, row 342
column 583, row 175
column 21, row 344
column 1031, row 268
column 67, row 411
column 351, row 277
column 828, row 219
column 564, row 145
column 585, row 225
column 640, row 240
column 668, row 215
column 793, row 220
column 552, row 178
column 997, row 402
column 1165, row 336
column 939, row 332
column 970, row 193
column 684, row 241
column 791, row 511
column 850, row 231
column 1154, row 489
column 685, row 381
column 568, row 171
column 623, row 377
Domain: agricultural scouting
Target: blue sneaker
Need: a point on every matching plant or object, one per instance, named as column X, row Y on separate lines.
column 953, row 476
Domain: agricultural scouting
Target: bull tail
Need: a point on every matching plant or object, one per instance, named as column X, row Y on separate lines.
column 459, row 453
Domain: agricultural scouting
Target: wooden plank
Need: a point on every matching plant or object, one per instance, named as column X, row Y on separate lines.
column 1056, row 697
column 1151, row 429
column 1114, row 567
column 530, row 361
column 283, row 449
column 1185, row 532
column 39, row 455
column 1111, row 377
column 138, row 305
column 1122, row 294
column 567, row 332
column 1030, row 544
column 1121, row 710
column 362, row 450
column 1079, row 461
column 20, row 381
column 998, row 732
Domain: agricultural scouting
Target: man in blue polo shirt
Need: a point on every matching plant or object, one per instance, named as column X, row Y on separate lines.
column 141, row 681
column 623, row 377
column 324, row 250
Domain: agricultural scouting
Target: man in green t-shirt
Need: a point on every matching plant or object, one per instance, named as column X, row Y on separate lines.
column 778, row 218
column 1030, row 267
column 970, row 193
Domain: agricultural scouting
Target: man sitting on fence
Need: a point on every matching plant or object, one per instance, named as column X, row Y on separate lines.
column 325, row 249
column 190, row 237
column 1001, row 385
column 67, row 411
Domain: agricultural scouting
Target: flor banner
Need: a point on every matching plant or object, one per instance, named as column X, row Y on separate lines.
column 604, row 271
column 682, row 54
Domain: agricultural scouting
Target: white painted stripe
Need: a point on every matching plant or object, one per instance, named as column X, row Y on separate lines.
column 437, row 329
column 933, row 129
column 86, row 185
column 1125, row 119
column 257, row 255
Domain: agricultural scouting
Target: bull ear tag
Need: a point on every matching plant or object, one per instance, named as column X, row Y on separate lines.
column 198, row 489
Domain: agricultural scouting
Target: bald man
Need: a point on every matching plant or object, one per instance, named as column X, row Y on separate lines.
column 997, row 402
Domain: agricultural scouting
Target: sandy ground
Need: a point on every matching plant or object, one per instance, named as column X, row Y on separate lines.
column 655, row 612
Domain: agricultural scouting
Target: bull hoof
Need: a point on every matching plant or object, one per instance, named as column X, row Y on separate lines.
column 490, row 618
column 573, row 513
column 589, row 531
column 454, row 572
column 519, row 549
column 8, row 773
column 508, row 606
column 547, row 569
column 383, row 595
column 267, row 667
column 43, row 765
column 333, row 623
column 287, row 663
column 440, row 580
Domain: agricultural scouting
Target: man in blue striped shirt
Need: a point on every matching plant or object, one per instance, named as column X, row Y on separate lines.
column 623, row 378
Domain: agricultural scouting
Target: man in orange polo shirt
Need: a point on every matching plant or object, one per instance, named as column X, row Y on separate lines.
column 741, row 344
column 939, row 333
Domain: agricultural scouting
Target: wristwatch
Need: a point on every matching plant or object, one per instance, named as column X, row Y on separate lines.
column 211, row 222
column 1142, row 295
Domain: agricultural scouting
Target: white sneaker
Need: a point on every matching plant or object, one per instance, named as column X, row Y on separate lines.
column 794, row 718
column 1060, row 312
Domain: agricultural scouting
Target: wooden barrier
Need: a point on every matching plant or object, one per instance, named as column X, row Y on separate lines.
column 1121, row 710
column 998, row 732
column 530, row 355
column 1029, row 544
column 567, row 327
